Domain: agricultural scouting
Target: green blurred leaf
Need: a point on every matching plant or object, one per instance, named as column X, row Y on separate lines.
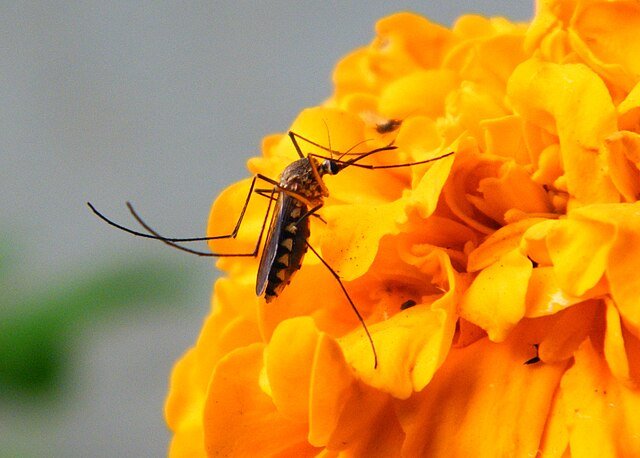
column 36, row 331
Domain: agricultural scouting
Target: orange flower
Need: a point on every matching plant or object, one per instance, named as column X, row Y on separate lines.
column 500, row 284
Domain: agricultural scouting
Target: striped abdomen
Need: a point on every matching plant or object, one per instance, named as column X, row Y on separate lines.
column 285, row 247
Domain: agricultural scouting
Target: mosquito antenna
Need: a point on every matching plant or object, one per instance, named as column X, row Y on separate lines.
column 352, row 162
column 348, row 152
column 326, row 127
column 393, row 166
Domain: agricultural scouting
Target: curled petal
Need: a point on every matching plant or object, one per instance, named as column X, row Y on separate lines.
column 504, row 136
column 601, row 413
column 512, row 189
column 579, row 250
column 614, row 348
column 567, row 331
column 483, row 378
column 346, row 414
column 240, row 418
column 629, row 111
column 621, row 273
column 505, row 239
column 356, row 232
column 495, row 301
column 411, row 344
column 408, row 39
column 546, row 297
column 463, row 182
column 547, row 95
column 622, row 151
column 228, row 327
column 289, row 372
column 422, row 92
column 607, row 36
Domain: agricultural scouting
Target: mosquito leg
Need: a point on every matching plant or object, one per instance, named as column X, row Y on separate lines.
column 266, row 193
column 312, row 212
column 203, row 253
column 295, row 144
column 190, row 239
column 353, row 306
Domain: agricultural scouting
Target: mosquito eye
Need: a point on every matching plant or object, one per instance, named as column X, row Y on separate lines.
column 334, row 167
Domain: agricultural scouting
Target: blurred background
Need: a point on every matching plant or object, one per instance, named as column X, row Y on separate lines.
column 160, row 103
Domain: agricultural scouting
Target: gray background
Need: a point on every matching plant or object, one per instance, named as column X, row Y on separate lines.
column 160, row 103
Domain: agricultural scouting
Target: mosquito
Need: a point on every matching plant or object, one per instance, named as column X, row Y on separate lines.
column 298, row 195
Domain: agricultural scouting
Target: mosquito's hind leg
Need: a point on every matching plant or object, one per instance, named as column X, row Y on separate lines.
column 266, row 193
column 175, row 239
column 353, row 306
column 171, row 243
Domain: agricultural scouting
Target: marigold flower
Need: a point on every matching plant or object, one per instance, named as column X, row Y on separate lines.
column 520, row 254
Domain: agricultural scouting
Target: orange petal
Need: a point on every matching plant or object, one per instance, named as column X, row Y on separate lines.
column 332, row 384
column 406, row 38
column 368, row 426
column 505, row 239
column 481, row 381
column 239, row 418
column 411, row 344
column 579, row 250
column 418, row 93
column 547, row 95
column 620, row 150
column 629, row 111
column 549, row 166
column 614, row 348
column 426, row 193
column 471, row 104
column 354, row 74
column 183, row 409
column 356, row 232
column 329, row 127
column 567, row 331
column 607, row 36
column 463, row 182
column 602, row 414
column 230, row 326
column 345, row 414
column 490, row 57
column 624, row 263
column 505, row 137
column 555, row 439
column 546, row 297
column 513, row 188
column 289, row 371
column 330, row 310
column 495, row 301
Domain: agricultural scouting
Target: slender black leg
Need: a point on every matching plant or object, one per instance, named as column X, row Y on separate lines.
column 203, row 253
column 190, row 239
column 353, row 306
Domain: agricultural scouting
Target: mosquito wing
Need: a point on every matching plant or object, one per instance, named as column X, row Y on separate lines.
column 270, row 246
column 285, row 246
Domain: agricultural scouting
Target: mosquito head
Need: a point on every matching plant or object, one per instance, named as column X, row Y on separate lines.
column 330, row 166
